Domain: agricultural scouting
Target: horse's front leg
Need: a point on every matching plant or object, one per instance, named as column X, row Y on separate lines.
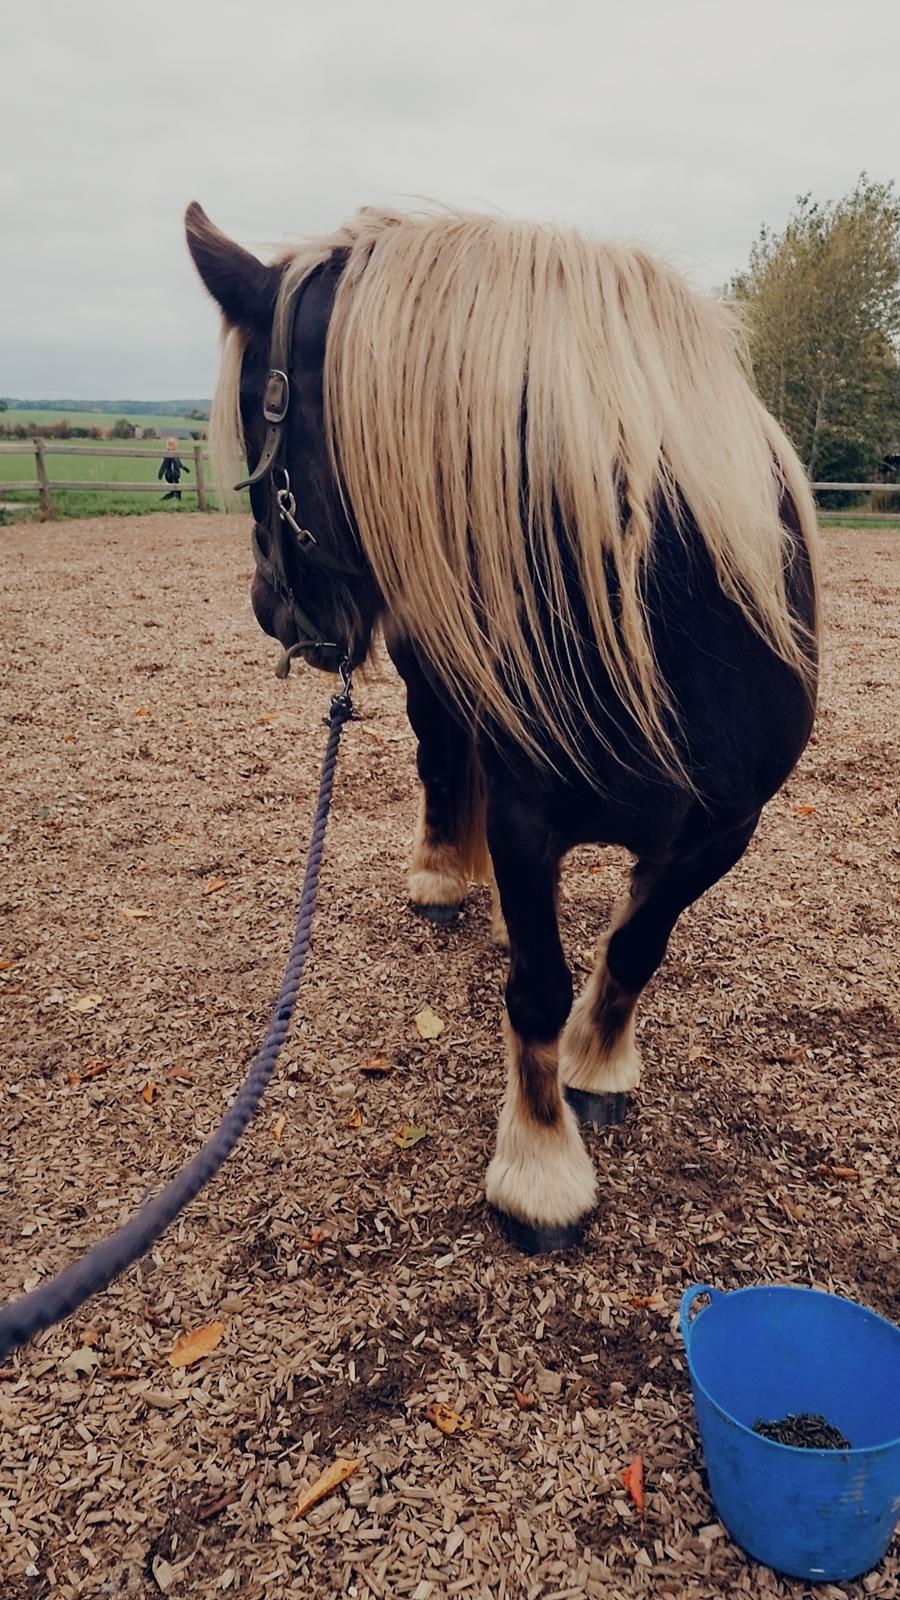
column 541, row 1180
column 449, row 849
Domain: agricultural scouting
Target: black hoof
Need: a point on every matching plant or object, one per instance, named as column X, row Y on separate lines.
column 601, row 1109
column 535, row 1241
column 442, row 915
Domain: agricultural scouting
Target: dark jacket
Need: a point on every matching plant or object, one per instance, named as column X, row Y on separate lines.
column 172, row 469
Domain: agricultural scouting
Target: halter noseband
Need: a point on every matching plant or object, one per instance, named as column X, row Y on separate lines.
column 283, row 525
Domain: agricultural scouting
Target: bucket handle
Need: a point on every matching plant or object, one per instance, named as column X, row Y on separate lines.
column 687, row 1300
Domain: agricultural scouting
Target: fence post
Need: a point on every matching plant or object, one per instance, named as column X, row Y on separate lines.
column 43, row 480
column 199, row 480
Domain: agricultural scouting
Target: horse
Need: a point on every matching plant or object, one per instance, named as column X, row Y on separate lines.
column 535, row 464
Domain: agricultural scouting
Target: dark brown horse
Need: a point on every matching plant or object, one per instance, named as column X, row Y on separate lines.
column 537, row 465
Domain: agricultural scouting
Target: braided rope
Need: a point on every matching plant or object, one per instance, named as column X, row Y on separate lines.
column 23, row 1318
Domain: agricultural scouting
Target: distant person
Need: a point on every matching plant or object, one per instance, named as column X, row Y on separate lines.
column 172, row 468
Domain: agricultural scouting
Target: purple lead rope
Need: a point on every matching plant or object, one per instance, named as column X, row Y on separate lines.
column 25, row 1317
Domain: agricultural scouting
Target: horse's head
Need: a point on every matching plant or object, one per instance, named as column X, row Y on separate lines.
column 312, row 589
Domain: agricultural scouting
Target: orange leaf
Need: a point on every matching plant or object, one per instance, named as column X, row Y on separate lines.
column 641, row 1301
column 803, row 811
column 849, row 1174
column 278, row 1128
column 141, row 711
column 447, row 1420
column 5, row 965
column 337, row 1473
column 90, row 1069
column 148, row 1093
column 194, row 1346
column 525, row 1402
column 376, row 1066
column 314, row 1240
column 214, row 885
column 355, row 1118
column 633, row 1479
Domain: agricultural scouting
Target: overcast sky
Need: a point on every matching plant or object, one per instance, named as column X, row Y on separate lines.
column 683, row 122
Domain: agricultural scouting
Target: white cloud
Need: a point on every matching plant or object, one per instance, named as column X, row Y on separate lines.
column 687, row 122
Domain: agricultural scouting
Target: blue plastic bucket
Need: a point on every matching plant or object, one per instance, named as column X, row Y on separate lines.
column 775, row 1351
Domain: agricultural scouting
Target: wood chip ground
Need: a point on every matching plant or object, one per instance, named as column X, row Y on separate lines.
column 150, row 755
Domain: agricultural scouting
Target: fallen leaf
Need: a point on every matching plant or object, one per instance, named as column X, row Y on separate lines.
column 5, row 965
column 642, row 1301
column 314, row 1239
column 93, row 1069
column 848, row 1174
column 180, row 1075
column 593, row 870
column 194, row 1346
column 428, row 1024
column 525, row 1402
column 447, row 1420
column 278, row 1128
column 93, row 936
column 80, row 1363
column 803, row 811
column 355, row 1118
column 91, row 1336
column 135, row 914
column 407, row 1135
column 214, row 885
column 338, row 1473
column 376, row 1066
column 88, row 1002
column 141, row 711
column 633, row 1479
column 148, row 1093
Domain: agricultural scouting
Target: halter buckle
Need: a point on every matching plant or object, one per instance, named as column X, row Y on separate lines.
column 276, row 395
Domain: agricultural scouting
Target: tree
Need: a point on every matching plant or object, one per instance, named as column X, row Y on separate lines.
column 822, row 303
column 122, row 429
column 4, row 405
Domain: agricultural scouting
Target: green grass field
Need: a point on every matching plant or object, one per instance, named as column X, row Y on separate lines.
column 97, row 419
column 106, row 463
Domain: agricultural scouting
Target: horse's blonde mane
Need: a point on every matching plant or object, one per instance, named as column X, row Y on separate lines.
column 504, row 400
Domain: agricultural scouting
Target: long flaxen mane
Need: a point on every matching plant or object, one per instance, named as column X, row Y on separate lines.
column 505, row 401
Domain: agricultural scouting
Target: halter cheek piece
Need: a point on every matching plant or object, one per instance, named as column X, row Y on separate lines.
column 283, row 525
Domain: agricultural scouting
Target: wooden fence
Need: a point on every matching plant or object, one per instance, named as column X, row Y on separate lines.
column 45, row 487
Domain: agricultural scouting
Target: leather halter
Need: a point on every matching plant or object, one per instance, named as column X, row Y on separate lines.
column 282, row 525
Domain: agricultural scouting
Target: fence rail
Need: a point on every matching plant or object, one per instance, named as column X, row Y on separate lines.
column 45, row 488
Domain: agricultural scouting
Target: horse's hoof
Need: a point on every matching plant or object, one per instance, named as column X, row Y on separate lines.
column 534, row 1240
column 442, row 915
column 601, row 1109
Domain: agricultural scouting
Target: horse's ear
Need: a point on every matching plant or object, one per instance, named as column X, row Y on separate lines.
column 244, row 287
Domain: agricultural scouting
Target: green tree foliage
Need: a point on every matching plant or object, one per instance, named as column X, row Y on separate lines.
column 122, row 429
column 822, row 302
